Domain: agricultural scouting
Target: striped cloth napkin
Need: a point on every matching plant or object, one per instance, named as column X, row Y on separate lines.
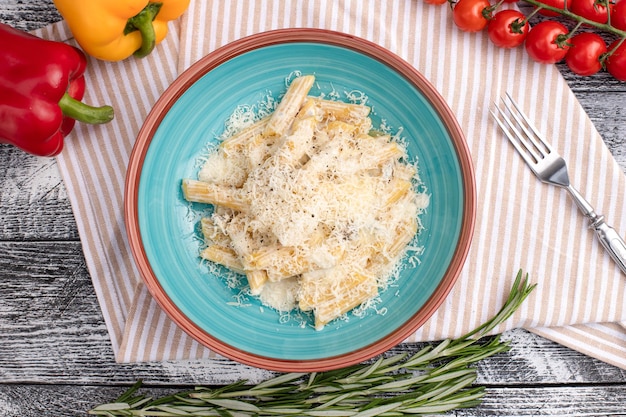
column 580, row 301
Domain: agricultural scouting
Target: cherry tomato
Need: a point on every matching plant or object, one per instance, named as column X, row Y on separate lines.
column 616, row 62
column 436, row 1
column 559, row 4
column 589, row 9
column 583, row 57
column 468, row 15
column 618, row 15
column 544, row 42
column 508, row 28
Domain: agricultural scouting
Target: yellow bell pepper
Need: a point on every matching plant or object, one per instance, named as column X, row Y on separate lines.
column 113, row 30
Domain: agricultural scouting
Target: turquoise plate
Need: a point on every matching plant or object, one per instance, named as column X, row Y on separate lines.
column 163, row 227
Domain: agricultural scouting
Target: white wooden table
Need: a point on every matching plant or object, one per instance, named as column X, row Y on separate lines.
column 55, row 354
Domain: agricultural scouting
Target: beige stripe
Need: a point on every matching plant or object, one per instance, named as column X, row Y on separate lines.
column 58, row 31
column 482, row 97
column 146, row 335
column 155, row 339
column 115, row 151
column 90, row 231
column 178, row 340
column 173, row 343
column 520, row 198
column 135, row 315
column 597, row 170
column 555, row 225
column 106, row 199
column 163, row 327
column 113, row 312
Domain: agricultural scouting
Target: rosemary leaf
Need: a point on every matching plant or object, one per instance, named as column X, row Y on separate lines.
column 377, row 410
column 344, row 410
column 436, row 379
column 280, row 380
column 111, row 407
column 234, row 405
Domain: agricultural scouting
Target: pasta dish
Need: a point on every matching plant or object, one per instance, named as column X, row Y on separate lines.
column 311, row 204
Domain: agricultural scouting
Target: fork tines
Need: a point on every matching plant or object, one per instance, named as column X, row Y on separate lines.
column 520, row 131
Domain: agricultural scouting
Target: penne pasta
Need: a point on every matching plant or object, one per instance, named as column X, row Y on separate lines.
column 279, row 262
column 388, row 152
column 246, row 136
column 308, row 109
column 338, row 110
column 223, row 256
column 310, row 205
column 289, row 106
column 204, row 192
column 256, row 281
column 295, row 147
column 398, row 188
column 340, row 128
column 323, row 286
column 403, row 236
column 355, row 290
column 212, row 233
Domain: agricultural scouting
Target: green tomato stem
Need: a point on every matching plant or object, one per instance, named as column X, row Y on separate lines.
column 607, row 27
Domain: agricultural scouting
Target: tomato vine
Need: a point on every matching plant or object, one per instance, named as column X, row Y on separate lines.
column 549, row 41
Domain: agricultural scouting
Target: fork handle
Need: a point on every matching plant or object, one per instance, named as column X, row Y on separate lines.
column 611, row 240
column 608, row 237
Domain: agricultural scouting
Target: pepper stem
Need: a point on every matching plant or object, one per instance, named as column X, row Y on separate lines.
column 77, row 110
column 142, row 22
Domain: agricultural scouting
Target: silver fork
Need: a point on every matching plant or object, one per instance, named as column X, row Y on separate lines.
column 551, row 168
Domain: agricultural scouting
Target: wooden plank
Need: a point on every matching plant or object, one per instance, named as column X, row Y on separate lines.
column 68, row 400
column 28, row 15
column 608, row 114
column 602, row 82
column 595, row 400
column 33, row 199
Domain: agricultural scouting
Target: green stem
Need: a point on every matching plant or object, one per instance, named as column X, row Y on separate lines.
column 566, row 13
column 521, row 290
column 617, row 45
column 85, row 113
column 142, row 22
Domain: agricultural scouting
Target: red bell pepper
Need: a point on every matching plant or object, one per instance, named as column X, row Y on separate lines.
column 41, row 85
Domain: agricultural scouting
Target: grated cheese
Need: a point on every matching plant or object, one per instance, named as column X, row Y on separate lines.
column 330, row 206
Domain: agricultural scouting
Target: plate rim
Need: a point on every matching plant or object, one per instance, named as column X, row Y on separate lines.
column 285, row 36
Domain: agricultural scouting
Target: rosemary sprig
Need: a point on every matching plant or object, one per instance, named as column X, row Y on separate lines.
column 436, row 379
